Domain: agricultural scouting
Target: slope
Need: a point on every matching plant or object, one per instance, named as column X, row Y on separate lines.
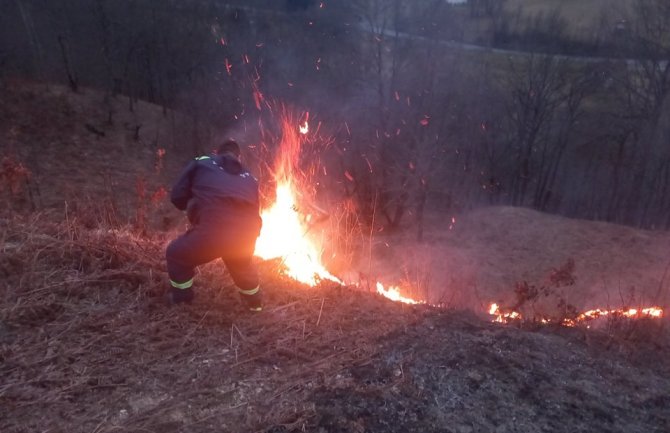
column 486, row 251
column 86, row 343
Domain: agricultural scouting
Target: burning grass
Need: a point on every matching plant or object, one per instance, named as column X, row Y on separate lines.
column 86, row 340
column 87, row 345
column 289, row 221
column 531, row 302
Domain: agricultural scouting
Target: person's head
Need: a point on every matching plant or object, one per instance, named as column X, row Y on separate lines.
column 230, row 147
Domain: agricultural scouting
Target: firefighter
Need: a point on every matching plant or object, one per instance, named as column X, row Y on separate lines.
column 220, row 198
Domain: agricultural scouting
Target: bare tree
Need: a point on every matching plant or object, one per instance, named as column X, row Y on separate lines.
column 564, row 133
column 644, row 116
column 536, row 85
column 403, row 72
column 72, row 79
column 35, row 42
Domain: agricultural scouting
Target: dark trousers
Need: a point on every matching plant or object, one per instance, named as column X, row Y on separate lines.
column 201, row 245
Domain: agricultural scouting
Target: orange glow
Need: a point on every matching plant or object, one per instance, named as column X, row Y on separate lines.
column 288, row 235
column 632, row 313
column 258, row 98
column 653, row 312
column 500, row 317
column 393, row 293
column 285, row 234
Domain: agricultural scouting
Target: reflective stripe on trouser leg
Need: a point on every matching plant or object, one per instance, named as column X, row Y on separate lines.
column 186, row 285
column 250, row 292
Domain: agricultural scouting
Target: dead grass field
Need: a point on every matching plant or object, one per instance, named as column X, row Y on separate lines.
column 488, row 250
column 87, row 345
column 580, row 15
column 76, row 156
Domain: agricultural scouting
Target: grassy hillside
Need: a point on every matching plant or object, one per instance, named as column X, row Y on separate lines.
column 581, row 15
column 88, row 345
column 487, row 251
column 77, row 159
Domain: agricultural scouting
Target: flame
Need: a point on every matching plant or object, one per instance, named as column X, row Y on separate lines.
column 500, row 317
column 393, row 293
column 631, row 313
column 284, row 234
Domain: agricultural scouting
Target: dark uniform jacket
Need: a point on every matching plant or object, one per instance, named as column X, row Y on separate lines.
column 219, row 192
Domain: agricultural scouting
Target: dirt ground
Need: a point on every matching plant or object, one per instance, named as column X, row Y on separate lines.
column 87, row 344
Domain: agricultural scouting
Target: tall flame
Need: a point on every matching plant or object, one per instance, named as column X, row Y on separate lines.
column 285, row 234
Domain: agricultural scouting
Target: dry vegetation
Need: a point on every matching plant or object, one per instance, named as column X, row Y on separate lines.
column 87, row 345
column 580, row 15
column 488, row 251
column 75, row 155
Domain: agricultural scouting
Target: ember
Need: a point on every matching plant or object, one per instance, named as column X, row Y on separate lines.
column 286, row 233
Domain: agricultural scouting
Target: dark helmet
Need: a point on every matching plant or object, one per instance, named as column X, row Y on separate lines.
column 229, row 146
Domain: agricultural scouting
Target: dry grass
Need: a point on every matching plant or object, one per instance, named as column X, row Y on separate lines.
column 87, row 340
column 580, row 15
column 48, row 129
column 489, row 250
column 87, row 345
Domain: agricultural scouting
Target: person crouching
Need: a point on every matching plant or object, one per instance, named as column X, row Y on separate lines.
column 221, row 200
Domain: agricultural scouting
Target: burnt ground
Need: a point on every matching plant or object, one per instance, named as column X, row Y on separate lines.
column 87, row 345
column 450, row 373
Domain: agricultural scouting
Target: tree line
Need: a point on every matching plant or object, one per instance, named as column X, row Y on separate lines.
column 416, row 124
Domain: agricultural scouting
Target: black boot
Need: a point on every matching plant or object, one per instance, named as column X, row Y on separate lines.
column 252, row 302
column 179, row 296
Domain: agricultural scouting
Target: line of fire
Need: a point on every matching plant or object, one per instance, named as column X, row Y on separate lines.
column 289, row 234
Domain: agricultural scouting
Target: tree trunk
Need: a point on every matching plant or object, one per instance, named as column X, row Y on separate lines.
column 28, row 23
column 71, row 74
